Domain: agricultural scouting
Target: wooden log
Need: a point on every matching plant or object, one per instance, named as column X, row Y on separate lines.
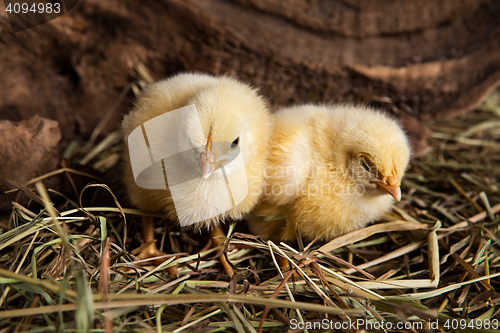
column 418, row 59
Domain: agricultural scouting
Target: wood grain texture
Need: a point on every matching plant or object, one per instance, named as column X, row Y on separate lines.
column 417, row 59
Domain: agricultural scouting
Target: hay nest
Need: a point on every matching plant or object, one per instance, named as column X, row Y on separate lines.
column 432, row 264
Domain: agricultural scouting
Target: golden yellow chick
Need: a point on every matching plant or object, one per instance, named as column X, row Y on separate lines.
column 222, row 145
column 332, row 170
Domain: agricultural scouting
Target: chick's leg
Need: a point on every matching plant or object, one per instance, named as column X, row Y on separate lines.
column 282, row 262
column 217, row 232
column 148, row 239
column 151, row 251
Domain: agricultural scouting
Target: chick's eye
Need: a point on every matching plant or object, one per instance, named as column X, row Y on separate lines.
column 366, row 164
column 235, row 143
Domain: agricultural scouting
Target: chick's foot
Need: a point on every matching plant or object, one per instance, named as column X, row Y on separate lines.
column 216, row 240
column 150, row 250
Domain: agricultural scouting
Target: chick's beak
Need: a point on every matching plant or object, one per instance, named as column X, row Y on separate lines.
column 208, row 162
column 205, row 165
column 391, row 186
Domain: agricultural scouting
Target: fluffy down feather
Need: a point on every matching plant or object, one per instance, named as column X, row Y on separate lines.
column 332, row 169
column 228, row 110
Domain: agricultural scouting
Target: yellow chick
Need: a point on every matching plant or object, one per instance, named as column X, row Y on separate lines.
column 332, row 170
column 231, row 122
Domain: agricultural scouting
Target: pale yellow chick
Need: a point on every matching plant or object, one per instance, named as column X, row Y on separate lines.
column 332, row 169
column 232, row 116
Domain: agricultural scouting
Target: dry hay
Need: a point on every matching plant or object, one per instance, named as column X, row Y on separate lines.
column 65, row 267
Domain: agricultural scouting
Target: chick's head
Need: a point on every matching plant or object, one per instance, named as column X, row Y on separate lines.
column 233, row 120
column 376, row 152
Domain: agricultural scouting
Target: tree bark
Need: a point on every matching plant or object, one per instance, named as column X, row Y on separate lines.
column 418, row 59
